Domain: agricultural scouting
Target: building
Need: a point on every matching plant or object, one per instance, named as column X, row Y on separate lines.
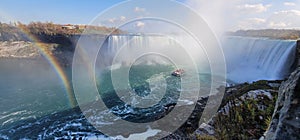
column 69, row 27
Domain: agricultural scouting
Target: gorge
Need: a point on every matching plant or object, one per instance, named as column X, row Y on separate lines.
column 248, row 59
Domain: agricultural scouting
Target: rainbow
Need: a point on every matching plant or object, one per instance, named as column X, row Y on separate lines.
column 56, row 66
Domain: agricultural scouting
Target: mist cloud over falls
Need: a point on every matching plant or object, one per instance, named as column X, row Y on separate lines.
column 248, row 14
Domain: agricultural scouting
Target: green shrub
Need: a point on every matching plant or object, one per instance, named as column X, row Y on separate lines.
column 245, row 120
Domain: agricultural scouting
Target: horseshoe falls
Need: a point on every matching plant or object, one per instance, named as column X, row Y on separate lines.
column 252, row 59
column 123, row 50
column 247, row 59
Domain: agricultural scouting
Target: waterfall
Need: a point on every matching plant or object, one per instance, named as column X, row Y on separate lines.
column 247, row 59
column 252, row 59
column 122, row 49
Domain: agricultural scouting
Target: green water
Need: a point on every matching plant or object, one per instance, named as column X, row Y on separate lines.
column 28, row 90
column 31, row 94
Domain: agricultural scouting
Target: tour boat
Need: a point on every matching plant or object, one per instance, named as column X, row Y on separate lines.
column 178, row 72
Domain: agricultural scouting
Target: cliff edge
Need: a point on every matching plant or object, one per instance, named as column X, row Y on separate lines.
column 285, row 122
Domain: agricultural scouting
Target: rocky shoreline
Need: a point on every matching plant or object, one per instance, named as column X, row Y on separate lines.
column 262, row 93
column 261, row 110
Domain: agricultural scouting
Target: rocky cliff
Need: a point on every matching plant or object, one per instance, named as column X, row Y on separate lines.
column 285, row 122
column 248, row 111
column 62, row 47
column 32, row 50
column 35, row 39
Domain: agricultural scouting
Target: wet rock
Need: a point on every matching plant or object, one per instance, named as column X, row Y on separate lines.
column 285, row 122
column 205, row 129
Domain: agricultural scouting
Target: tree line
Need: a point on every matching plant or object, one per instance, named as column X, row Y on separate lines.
column 269, row 33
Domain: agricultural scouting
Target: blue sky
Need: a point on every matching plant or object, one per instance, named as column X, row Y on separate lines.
column 58, row 11
column 249, row 14
column 228, row 14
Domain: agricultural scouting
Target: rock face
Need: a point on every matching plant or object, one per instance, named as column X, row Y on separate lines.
column 285, row 122
column 30, row 50
column 297, row 61
column 18, row 49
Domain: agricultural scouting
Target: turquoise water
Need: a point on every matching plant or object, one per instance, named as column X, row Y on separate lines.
column 28, row 90
column 34, row 103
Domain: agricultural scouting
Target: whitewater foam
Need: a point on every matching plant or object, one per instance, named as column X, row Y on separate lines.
column 140, row 136
column 252, row 59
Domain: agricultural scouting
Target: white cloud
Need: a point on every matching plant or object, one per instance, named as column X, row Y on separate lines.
column 285, row 19
column 122, row 18
column 246, row 14
column 140, row 24
column 257, row 20
column 289, row 4
column 254, row 8
column 277, row 25
column 251, row 23
column 117, row 20
column 288, row 13
column 138, row 9
column 112, row 20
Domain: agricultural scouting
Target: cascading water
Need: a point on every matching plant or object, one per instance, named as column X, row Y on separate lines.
column 252, row 59
column 247, row 59
column 179, row 48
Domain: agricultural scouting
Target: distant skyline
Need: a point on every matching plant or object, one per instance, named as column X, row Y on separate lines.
column 220, row 15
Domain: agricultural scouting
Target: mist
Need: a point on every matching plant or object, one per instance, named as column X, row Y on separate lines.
column 232, row 15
